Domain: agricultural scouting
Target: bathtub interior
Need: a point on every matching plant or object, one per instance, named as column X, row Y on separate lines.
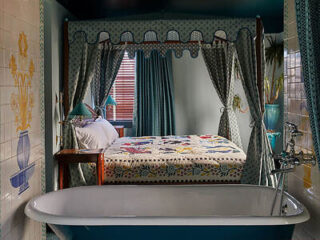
column 163, row 201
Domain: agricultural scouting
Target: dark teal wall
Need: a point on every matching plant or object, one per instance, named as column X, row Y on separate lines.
column 53, row 71
column 271, row 11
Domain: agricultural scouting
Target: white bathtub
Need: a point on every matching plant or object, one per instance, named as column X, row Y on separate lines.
column 181, row 210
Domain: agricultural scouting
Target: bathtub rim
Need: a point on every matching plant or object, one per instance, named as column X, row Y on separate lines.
column 215, row 220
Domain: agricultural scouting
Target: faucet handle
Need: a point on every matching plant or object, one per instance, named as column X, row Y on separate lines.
column 282, row 170
column 293, row 129
column 291, row 126
column 307, row 158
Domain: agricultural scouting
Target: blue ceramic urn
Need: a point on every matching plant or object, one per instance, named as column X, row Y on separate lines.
column 271, row 116
column 23, row 150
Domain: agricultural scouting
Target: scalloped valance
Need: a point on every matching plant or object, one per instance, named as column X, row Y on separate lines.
column 177, row 49
column 138, row 31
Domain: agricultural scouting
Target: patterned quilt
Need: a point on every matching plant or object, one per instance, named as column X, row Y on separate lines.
column 206, row 158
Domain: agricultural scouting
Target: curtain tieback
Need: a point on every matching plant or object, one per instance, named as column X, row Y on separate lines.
column 254, row 122
column 222, row 109
column 99, row 110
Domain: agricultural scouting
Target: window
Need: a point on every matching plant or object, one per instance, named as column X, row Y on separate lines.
column 122, row 92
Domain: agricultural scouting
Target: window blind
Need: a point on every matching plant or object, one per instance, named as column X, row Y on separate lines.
column 122, row 92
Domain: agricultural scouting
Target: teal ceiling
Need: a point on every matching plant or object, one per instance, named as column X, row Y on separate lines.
column 271, row 11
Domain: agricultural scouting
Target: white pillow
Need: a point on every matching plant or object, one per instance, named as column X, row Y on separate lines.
column 111, row 132
column 99, row 134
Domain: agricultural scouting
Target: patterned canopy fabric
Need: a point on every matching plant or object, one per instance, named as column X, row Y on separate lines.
column 220, row 61
column 177, row 49
column 105, row 74
column 309, row 34
column 162, row 30
column 259, row 161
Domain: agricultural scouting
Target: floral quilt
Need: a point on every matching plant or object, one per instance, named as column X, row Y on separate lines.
column 191, row 158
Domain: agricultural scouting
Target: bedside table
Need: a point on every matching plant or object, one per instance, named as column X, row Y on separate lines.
column 67, row 156
column 120, row 130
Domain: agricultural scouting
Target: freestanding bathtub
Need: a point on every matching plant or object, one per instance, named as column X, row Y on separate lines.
column 166, row 212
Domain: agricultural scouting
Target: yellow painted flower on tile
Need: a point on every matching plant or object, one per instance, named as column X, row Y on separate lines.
column 31, row 70
column 23, row 45
column 22, row 102
column 13, row 66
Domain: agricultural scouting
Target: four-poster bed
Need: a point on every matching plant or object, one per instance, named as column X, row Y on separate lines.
column 220, row 54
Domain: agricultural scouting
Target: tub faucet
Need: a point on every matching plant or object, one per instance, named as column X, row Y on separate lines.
column 288, row 160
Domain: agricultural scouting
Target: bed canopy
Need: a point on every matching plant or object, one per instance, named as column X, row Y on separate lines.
column 138, row 31
column 187, row 31
column 240, row 41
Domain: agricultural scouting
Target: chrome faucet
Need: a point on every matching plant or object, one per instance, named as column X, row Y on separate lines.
column 288, row 160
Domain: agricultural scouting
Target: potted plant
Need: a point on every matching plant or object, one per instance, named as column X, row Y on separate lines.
column 273, row 86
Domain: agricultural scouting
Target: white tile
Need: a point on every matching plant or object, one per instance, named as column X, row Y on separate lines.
column 15, row 17
column 28, row 226
column 5, row 189
column 301, row 234
column 2, row 72
column 2, row 111
column 2, row 51
column 315, row 179
column 2, row 100
column 14, row 146
column 6, row 200
column 2, row 152
column 2, row 133
column 297, row 189
column 7, row 56
column 11, row 7
column 1, row 18
column 7, row 151
column 7, row 133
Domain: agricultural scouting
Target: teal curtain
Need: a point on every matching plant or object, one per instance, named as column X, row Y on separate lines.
column 106, row 72
column 308, row 22
column 154, row 106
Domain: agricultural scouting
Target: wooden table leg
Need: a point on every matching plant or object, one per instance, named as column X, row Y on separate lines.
column 61, row 173
column 100, row 169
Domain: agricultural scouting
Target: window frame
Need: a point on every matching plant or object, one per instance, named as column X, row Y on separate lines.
column 125, row 122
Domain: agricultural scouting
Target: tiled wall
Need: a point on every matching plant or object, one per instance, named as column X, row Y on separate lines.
column 304, row 183
column 21, row 110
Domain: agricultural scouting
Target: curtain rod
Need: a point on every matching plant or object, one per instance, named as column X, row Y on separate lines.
column 166, row 42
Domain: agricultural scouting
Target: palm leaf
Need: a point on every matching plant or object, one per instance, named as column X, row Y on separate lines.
column 274, row 53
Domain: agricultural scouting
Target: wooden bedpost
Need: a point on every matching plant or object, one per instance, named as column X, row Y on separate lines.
column 260, row 80
column 66, row 68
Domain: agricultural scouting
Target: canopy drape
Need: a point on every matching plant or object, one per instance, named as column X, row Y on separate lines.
column 308, row 22
column 154, row 101
column 220, row 61
column 106, row 73
column 259, row 162
column 83, row 58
